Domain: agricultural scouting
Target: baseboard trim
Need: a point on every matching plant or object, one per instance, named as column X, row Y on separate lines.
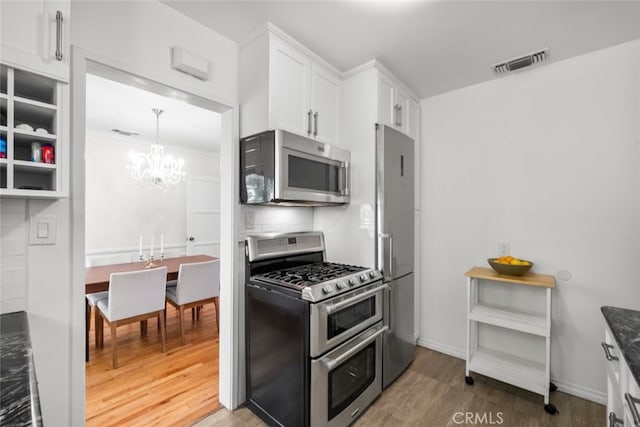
column 442, row 348
column 572, row 389
column 580, row 391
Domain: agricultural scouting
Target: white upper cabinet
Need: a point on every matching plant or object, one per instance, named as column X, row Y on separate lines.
column 396, row 106
column 285, row 86
column 387, row 106
column 290, row 98
column 35, row 36
column 326, row 103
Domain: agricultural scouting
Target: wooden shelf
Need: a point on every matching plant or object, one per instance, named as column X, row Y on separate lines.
column 529, row 279
column 510, row 369
column 506, row 317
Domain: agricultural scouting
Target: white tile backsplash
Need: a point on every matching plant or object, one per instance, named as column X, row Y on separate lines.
column 13, row 259
column 275, row 219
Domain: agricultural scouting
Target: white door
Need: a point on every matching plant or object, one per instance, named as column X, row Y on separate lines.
column 289, row 79
column 326, row 102
column 203, row 216
column 30, row 36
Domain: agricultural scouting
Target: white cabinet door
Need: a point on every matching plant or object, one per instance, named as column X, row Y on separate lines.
column 290, row 72
column 413, row 119
column 386, row 100
column 326, row 104
column 402, row 115
column 33, row 38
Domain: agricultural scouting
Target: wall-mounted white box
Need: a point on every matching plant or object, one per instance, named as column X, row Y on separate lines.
column 190, row 63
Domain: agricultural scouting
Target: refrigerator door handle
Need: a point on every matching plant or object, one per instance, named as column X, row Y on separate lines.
column 389, row 315
column 381, row 237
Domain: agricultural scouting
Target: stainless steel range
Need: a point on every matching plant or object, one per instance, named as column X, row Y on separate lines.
column 313, row 332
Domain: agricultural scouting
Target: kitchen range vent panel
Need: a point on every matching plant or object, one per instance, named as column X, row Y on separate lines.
column 521, row 62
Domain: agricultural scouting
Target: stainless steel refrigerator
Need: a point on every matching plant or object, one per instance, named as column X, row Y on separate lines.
column 394, row 246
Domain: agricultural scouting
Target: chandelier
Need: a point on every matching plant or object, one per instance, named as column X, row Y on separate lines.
column 154, row 169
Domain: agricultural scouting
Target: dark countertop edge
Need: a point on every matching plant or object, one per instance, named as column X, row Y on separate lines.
column 34, row 396
column 634, row 365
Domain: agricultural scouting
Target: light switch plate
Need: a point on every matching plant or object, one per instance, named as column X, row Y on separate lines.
column 42, row 230
column 249, row 220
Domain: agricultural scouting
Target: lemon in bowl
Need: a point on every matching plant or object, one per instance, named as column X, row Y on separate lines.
column 510, row 266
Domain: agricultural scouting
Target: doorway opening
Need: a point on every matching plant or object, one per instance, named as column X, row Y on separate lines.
column 181, row 385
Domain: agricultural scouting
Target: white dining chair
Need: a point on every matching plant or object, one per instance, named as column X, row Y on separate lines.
column 133, row 296
column 198, row 284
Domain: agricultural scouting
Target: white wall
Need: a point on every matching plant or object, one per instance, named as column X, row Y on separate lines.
column 140, row 35
column 113, row 224
column 548, row 159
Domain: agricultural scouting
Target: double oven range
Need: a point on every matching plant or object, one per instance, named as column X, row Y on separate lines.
column 313, row 333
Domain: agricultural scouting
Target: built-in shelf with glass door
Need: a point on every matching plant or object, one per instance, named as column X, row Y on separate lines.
column 30, row 124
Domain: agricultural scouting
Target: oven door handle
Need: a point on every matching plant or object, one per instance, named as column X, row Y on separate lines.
column 354, row 299
column 332, row 363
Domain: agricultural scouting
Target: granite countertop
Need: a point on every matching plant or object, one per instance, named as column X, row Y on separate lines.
column 625, row 325
column 19, row 400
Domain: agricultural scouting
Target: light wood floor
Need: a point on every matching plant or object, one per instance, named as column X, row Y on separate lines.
column 432, row 391
column 174, row 388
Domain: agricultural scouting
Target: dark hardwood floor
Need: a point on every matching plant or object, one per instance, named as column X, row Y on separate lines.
column 432, row 393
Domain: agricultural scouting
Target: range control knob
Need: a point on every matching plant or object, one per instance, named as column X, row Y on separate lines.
column 327, row 289
column 372, row 274
column 341, row 285
column 363, row 278
column 353, row 282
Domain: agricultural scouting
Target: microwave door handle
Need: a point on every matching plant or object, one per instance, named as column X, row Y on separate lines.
column 332, row 363
column 345, row 178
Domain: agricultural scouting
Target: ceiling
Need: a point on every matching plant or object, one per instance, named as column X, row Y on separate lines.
column 113, row 105
column 432, row 46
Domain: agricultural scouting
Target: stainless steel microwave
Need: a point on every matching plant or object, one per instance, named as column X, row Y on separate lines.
column 281, row 168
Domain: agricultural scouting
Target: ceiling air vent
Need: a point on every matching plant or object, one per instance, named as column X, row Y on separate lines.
column 124, row 132
column 521, row 61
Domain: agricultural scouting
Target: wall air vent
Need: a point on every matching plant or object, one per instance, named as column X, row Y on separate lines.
column 521, row 61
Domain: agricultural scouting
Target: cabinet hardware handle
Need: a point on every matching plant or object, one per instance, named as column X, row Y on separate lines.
column 607, row 353
column 309, row 122
column 632, row 401
column 59, row 20
column 315, row 124
column 399, row 115
column 614, row 421
column 395, row 114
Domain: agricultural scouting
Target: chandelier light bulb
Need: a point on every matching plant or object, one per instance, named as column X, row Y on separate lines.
column 154, row 169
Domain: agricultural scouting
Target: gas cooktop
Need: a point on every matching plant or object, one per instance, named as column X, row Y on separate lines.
column 320, row 280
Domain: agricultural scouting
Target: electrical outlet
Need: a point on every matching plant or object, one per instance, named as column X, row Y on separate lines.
column 503, row 248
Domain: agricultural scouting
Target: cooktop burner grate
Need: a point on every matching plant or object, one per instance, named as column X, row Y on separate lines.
column 309, row 275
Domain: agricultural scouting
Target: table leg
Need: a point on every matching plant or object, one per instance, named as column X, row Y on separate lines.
column 87, row 311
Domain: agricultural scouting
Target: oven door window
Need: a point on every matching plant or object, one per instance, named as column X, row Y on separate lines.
column 345, row 319
column 313, row 175
column 350, row 379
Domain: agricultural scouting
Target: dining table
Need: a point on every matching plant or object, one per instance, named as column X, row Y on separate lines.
column 97, row 277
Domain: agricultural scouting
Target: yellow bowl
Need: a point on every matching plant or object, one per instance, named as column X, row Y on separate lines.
column 509, row 269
